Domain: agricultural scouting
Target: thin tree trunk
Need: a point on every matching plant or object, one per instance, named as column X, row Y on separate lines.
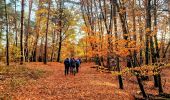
column 141, row 35
column 141, row 86
column 7, row 39
column 155, row 29
column 116, row 36
column 148, row 28
column 166, row 49
column 34, row 52
column 22, row 31
column 53, row 46
column 160, row 89
column 134, row 30
column 16, row 30
column 156, row 42
column 40, row 59
column 60, row 32
column 83, row 15
column 45, row 48
column 138, row 77
column 28, row 31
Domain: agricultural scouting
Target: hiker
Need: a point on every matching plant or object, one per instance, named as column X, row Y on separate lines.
column 80, row 60
column 67, row 65
column 77, row 65
column 73, row 66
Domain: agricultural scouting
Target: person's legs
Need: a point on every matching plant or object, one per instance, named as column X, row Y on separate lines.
column 74, row 71
column 71, row 70
column 77, row 69
column 65, row 71
column 68, row 70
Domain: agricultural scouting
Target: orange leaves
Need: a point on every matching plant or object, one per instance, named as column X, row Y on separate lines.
column 121, row 42
column 123, row 52
column 85, row 29
column 132, row 43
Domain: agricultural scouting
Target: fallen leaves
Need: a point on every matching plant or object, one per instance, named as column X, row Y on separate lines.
column 88, row 84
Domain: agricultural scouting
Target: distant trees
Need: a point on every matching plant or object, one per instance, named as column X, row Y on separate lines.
column 35, row 45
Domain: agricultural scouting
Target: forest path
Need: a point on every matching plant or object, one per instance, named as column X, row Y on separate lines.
column 88, row 84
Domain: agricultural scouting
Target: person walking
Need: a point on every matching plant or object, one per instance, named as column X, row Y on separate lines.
column 80, row 60
column 67, row 65
column 77, row 65
column 73, row 66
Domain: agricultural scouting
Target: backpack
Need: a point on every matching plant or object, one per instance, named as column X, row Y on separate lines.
column 73, row 63
column 66, row 62
column 77, row 63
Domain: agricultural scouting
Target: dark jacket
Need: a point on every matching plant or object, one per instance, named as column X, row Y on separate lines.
column 73, row 63
column 66, row 63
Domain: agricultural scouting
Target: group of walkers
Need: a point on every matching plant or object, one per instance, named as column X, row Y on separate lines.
column 72, row 65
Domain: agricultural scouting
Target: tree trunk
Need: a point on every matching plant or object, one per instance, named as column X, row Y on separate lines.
column 160, row 89
column 16, row 30
column 7, row 39
column 148, row 28
column 34, row 52
column 156, row 56
column 108, row 27
column 155, row 29
column 141, row 35
column 22, row 31
column 53, row 46
column 134, row 31
column 116, row 38
column 141, row 86
column 166, row 49
column 60, row 32
column 59, row 49
column 28, row 31
column 45, row 48
column 119, row 76
column 139, row 79
column 40, row 59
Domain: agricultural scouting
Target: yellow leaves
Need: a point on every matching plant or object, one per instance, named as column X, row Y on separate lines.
column 148, row 70
column 115, row 73
column 41, row 11
column 85, row 29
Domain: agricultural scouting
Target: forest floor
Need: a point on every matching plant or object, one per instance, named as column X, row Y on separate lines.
column 88, row 84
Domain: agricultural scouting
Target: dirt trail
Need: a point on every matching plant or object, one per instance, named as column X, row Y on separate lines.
column 88, row 84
